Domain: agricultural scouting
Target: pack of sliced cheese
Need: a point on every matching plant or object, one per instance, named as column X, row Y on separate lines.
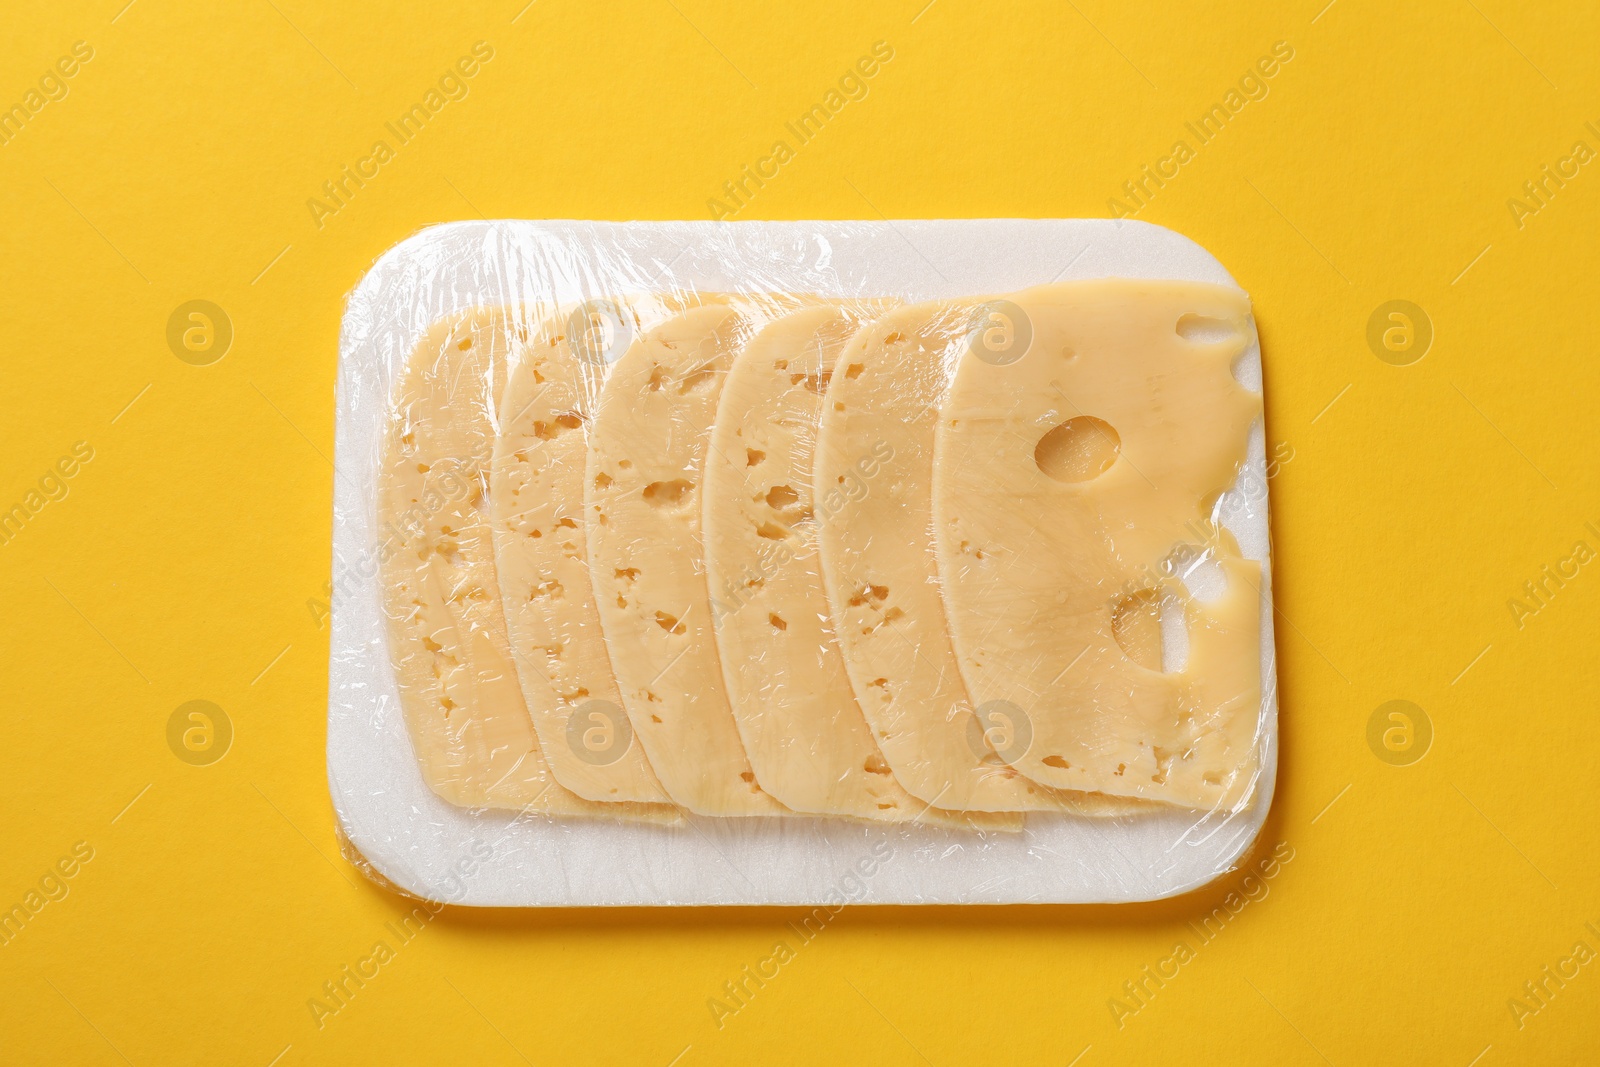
column 800, row 563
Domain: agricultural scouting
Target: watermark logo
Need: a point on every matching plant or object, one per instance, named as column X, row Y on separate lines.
column 1552, row 578
column 999, row 332
column 1252, row 86
column 1399, row 333
column 199, row 733
column 1537, row 192
column 1539, row 991
column 453, row 480
column 598, row 732
column 853, row 86
column 1399, row 733
column 338, row 992
column 599, row 331
column 852, row 487
column 199, row 332
column 1001, row 727
column 52, row 886
column 53, row 85
column 338, row 192
column 52, row 486
column 850, row 888
column 1251, row 888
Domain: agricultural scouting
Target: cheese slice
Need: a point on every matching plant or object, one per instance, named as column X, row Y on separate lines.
column 537, row 485
column 1088, row 430
column 791, row 696
column 874, row 486
column 643, row 494
column 447, row 638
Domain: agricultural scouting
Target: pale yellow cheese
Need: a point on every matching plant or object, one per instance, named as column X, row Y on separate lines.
column 1081, row 446
column 874, row 485
column 537, row 484
column 643, row 493
column 447, row 639
column 791, row 696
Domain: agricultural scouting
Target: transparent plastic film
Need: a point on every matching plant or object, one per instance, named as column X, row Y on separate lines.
column 792, row 699
column 874, row 483
column 644, row 487
column 1069, row 467
column 709, row 563
column 538, row 474
column 453, row 659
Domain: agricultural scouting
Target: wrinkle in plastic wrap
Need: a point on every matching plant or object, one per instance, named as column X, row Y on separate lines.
column 667, row 572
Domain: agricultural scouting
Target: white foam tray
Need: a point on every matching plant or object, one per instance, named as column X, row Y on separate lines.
column 487, row 858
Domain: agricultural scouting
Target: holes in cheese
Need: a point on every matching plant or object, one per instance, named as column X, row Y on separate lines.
column 669, row 494
column 1136, row 627
column 804, row 731
column 973, row 571
column 1205, row 329
column 645, row 466
column 1079, row 449
column 539, row 471
column 874, row 475
column 1042, row 576
column 458, row 690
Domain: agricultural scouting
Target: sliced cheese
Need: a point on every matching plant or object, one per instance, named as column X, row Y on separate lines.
column 791, row 696
column 643, row 493
column 874, row 514
column 1087, row 432
column 447, row 638
column 538, row 473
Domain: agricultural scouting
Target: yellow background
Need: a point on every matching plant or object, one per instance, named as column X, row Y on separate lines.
column 180, row 564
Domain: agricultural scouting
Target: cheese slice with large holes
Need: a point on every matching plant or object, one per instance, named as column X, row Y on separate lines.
column 458, row 690
column 643, row 494
column 874, row 514
column 538, row 473
column 791, row 696
column 1088, row 430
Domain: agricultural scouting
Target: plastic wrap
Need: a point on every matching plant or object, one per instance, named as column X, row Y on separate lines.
column 691, row 563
